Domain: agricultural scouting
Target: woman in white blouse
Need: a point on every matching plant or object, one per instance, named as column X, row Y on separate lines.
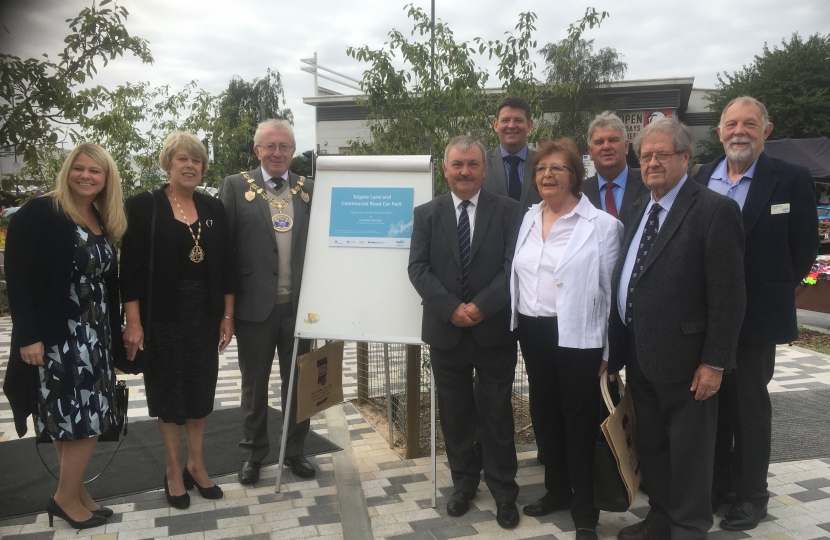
column 561, row 294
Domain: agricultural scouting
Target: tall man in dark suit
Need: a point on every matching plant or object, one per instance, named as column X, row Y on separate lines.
column 778, row 204
column 676, row 312
column 615, row 186
column 508, row 165
column 459, row 262
column 268, row 211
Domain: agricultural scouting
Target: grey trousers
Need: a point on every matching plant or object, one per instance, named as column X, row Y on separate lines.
column 257, row 342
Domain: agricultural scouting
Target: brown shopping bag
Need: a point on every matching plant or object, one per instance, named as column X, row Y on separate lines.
column 619, row 438
column 319, row 380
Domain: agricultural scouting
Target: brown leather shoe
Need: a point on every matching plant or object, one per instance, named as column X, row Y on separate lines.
column 645, row 530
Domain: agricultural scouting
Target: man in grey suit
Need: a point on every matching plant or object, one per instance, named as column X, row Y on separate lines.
column 677, row 304
column 268, row 211
column 459, row 262
column 508, row 165
column 615, row 186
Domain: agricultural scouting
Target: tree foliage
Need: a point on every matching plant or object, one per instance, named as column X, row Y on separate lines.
column 793, row 82
column 578, row 73
column 417, row 105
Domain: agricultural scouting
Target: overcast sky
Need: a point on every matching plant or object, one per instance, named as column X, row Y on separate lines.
column 213, row 40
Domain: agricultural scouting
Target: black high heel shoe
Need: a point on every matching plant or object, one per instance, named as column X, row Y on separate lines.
column 212, row 492
column 177, row 501
column 103, row 511
column 54, row 509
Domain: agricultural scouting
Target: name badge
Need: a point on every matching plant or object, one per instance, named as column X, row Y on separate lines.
column 780, row 209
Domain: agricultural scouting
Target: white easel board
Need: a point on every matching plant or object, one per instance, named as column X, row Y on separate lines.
column 360, row 291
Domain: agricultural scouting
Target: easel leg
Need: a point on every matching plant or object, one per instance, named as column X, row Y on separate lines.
column 432, row 434
column 286, row 414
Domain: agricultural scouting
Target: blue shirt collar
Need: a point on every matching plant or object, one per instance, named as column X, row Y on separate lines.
column 721, row 172
column 521, row 153
column 620, row 180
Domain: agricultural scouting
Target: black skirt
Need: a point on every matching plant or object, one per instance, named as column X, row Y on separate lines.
column 180, row 381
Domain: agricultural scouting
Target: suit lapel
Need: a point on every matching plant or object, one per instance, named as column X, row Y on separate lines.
column 484, row 211
column 679, row 209
column 300, row 211
column 446, row 212
column 591, row 190
column 760, row 190
column 262, row 204
column 633, row 187
column 632, row 228
column 584, row 228
column 527, row 180
column 497, row 165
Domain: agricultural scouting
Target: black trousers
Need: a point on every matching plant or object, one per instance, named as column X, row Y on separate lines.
column 676, row 447
column 745, row 416
column 565, row 384
column 256, row 342
column 486, row 409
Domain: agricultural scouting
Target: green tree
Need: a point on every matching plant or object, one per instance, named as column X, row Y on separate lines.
column 793, row 82
column 417, row 107
column 577, row 73
column 241, row 107
column 41, row 100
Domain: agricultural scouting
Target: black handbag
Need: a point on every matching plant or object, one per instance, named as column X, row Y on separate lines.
column 143, row 358
column 610, row 493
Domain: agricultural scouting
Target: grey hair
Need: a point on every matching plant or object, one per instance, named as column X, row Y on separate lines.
column 463, row 143
column 273, row 123
column 606, row 120
column 667, row 126
column 747, row 100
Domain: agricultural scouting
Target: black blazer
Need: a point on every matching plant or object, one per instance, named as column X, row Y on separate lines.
column 634, row 189
column 135, row 251
column 689, row 299
column 780, row 248
column 40, row 251
column 435, row 268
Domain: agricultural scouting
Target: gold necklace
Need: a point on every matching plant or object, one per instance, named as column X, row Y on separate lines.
column 197, row 254
column 282, row 222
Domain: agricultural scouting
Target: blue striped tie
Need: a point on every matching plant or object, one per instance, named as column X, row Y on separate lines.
column 464, row 245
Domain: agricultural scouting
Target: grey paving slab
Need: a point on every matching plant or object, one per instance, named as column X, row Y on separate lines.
column 453, row 532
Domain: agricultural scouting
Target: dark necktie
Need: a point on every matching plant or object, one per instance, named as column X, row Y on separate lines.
column 646, row 241
column 514, row 182
column 464, row 245
column 610, row 205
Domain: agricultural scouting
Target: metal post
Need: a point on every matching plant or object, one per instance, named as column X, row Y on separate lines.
column 362, row 372
column 389, row 419
column 432, row 434
column 285, row 414
column 413, row 401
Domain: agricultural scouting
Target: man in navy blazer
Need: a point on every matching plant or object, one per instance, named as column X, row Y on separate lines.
column 459, row 262
column 616, row 185
column 778, row 205
column 676, row 309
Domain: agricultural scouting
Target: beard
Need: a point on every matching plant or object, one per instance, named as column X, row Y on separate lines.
column 737, row 155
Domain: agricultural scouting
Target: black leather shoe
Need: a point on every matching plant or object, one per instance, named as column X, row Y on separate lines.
column 507, row 515
column 545, row 506
column 177, row 501
column 645, row 530
column 212, row 492
column 743, row 515
column 249, row 473
column 300, row 466
column 586, row 534
column 459, row 503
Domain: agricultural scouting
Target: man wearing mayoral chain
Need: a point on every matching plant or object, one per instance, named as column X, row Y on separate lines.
column 268, row 210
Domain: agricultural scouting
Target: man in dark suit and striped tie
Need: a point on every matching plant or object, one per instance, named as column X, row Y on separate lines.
column 459, row 262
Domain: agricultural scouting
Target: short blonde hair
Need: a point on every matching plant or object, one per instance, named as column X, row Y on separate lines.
column 110, row 202
column 186, row 141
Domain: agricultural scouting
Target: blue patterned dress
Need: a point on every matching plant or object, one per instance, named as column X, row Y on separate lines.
column 77, row 379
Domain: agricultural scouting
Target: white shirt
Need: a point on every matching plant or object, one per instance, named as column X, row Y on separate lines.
column 535, row 264
column 471, row 211
column 269, row 180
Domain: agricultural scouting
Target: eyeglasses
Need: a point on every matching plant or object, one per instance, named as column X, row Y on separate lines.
column 271, row 148
column 662, row 157
column 541, row 169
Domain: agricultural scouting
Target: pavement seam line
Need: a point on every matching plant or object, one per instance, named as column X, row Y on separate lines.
column 354, row 514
